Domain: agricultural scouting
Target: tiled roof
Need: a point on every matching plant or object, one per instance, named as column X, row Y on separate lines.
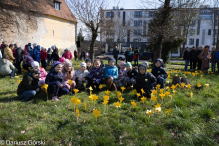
column 45, row 7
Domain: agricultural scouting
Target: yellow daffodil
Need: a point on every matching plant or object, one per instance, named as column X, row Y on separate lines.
column 149, row 112
column 158, row 109
column 142, row 91
column 143, row 99
column 117, row 104
column 121, row 99
column 173, row 87
column 76, row 91
column 85, row 106
column 193, row 74
column 135, row 91
column 70, row 82
column 17, row 77
column 161, row 90
column 138, row 94
column 106, row 97
column 105, row 102
column 154, row 92
column 122, row 88
column 201, row 75
column 157, row 105
column 133, row 104
column 153, row 98
column 174, row 92
column 199, row 85
column 207, row 85
column 19, row 81
column 107, row 92
column 90, row 88
column 96, row 113
column 183, row 84
column 162, row 95
column 118, row 94
column 191, row 94
column 168, row 111
column 189, row 86
column 168, row 88
column 158, row 86
column 75, row 100
column 100, row 86
column 167, row 94
column 77, row 112
column 95, row 97
column 91, row 97
column 178, row 85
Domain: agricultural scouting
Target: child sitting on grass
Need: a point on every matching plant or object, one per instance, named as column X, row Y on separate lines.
column 145, row 81
column 131, row 74
column 43, row 72
column 29, row 86
column 96, row 75
column 111, row 74
column 62, row 60
column 88, row 64
column 122, row 74
column 81, row 76
column 68, row 74
column 159, row 72
column 55, row 81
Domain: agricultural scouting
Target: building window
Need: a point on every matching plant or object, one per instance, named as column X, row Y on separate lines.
column 191, row 41
column 151, row 14
column 118, row 14
column 216, row 31
column 138, row 14
column 138, row 32
column 109, row 14
column 138, row 23
column 57, row 5
column 192, row 32
column 216, row 22
column 209, row 32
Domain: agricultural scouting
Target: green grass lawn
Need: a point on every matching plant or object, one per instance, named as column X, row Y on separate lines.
column 192, row 121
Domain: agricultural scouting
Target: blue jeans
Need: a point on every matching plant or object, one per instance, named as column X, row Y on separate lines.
column 18, row 66
column 186, row 65
column 161, row 81
column 213, row 66
column 27, row 95
column 12, row 73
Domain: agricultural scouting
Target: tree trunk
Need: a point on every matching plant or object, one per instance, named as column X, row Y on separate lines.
column 186, row 81
column 182, row 50
column 92, row 50
column 176, row 80
column 157, row 48
column 214, row 30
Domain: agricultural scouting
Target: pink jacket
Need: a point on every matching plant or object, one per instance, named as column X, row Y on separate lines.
column 43, row 74
column 68, row 55
column 65, row 77
column 122, row 74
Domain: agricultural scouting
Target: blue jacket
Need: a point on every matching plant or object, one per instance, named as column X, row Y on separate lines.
column 49, row 54
column 96, row 73
column 36, row 53
column 111, row 71
column 53, row 77
column 217, row 55
column 156, row 71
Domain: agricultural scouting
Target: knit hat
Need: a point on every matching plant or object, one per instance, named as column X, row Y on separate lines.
column 67, row 49
column 35, row 71
column 128, row 64
column 145, row 63
column 34, row 44
column 121, row 63
column 111, row 59
column 53, row 47
column 56, row 63
column 142, row 66
column 62, row 59
column 34, row 63
column 88, row 60
column 29, row 44
column 158, row 59
column 83, row 64
column 67, row 61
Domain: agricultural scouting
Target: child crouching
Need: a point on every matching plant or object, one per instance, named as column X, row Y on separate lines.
column 122, row 74
column 29, row 86
column 111, row 74
column 145, row 81
column 131, row 73
column 55, row 81
column 81, row 76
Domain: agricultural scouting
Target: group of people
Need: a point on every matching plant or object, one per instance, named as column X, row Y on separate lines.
column 201, row 58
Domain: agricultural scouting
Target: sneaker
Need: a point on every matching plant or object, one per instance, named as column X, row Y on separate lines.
column 55, row 98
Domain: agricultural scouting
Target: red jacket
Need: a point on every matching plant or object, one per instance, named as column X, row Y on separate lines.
column 68, row 55
column 43, row 55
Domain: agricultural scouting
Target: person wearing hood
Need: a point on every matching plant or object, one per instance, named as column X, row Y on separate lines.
column 36, row 54
column 131, row 74
column 18, row 58
column 49, row 56
column 55, row 53
column 6, row 66
column 145, row 81
column 81, row 76
column 55, row 81
column 29, row 86
column 111, row 74
column 88, row 64
column 27, row 60
column 159, row 72
column 68, row 54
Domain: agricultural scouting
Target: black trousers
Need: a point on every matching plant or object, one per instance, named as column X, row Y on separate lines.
column 199, row 64
column 193, row 64
column 43, row 64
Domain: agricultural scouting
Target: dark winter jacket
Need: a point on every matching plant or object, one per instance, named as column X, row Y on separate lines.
column 43, row 55
column 96, row 73
column 28, row 83
column 199, row 52
column 136, row 54
column 36, row 53
column 55, row 55
column 27, row 59
column 132, row 73
column 49, row 54
column 83, row 54
column 217, row 55
column 115, row 53
column 213, row 56
column 156, row 71
column 186, row 55
column 53, row 77
column 75, row 53
column 146, row 81
column 18, row 55
column 193, row 54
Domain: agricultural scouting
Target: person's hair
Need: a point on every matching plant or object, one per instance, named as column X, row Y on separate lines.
column 207, row 46
column 11, row 45
column 193, row 47
column 97, row 60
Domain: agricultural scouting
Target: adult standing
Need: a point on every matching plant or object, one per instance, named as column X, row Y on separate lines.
column 18, row 59
column 36, row 54
column 76, row 54
column 213, row 59
column 205, row 56
column 217, row 59
column 186, row 57
column 193, row 58
column 136, row 56
column 130, row 55
column 126, row 55
column 49, row 56
column 115, row 54
column 199, row 60
column 83, row 55
column 43, row 57
column 8, row 51
column 68, row 54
